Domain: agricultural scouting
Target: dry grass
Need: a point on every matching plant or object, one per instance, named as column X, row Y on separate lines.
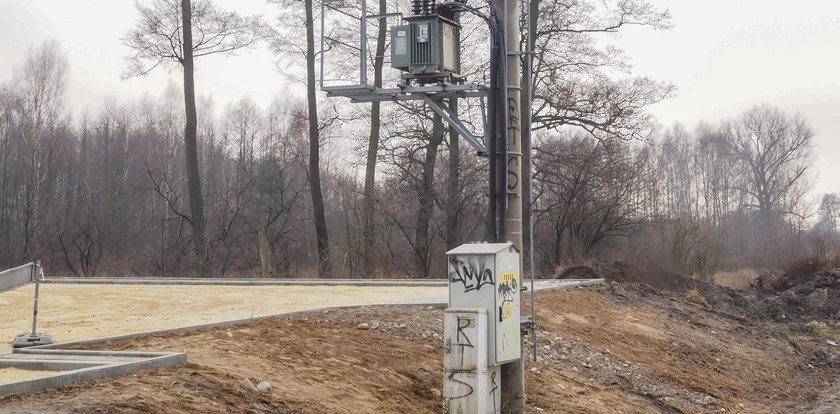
column 829, row 330
column 695, row 297
column 736, row 279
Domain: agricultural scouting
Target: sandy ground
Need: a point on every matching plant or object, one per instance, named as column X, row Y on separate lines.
column 614, row 350
column 72, row 312
column 10, row 375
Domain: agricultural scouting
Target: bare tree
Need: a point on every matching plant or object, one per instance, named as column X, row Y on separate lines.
column 324, row 267
column 774, row 151
column 291, row 25
column 164, row 35
column 427, row 197
column 368, row 236
column 39, row 97
column 573, row 80
column 573, row 83
column 829, row 213
column 453, row 193
column 587, row 194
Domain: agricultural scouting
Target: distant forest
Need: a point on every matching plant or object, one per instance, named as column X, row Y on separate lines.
column 322, row 187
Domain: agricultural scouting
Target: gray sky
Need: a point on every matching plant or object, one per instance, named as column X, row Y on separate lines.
column 726, row 56
column 723, row 55
column 89, row 32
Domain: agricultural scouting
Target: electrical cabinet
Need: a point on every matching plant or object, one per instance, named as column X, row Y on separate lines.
column 469, row 384
column 427, row 48
column 486, row 276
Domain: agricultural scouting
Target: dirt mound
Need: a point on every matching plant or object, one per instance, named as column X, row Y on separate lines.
column 814, row 294
column 664, row 352
column 773, row 296
column 810, row 282
column 623, row 348
column 658, row 277
column 316, row 363
column 579, row 272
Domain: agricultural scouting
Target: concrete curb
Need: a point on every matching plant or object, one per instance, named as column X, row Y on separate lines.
column 86, row 366
column 440, row 304
column 16, row 277
column 187, row 329
column 249, row 282
column 81, row 365
column 289, row 282
column 566, row 284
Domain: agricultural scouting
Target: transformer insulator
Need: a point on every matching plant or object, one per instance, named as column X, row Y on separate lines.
column 416, row 7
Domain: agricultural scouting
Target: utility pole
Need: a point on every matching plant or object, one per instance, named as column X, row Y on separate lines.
column 418, row 51
column 513, row 373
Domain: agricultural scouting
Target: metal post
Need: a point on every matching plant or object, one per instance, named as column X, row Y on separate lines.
column 323, row 9
column 502, row 149
column 513, row 374
column 527, row 101
column 36, row 269
column 492, row 141
column 363, row 45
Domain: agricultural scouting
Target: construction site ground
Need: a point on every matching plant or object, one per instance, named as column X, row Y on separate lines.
column 618, row 348
column 74, row 312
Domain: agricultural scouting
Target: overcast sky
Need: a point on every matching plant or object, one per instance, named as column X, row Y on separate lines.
column 723, row 55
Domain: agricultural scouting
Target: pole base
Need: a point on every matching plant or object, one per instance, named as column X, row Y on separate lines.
column 25, row 340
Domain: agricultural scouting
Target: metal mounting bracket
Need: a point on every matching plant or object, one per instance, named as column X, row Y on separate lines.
column 452, row 119
column 432, row 95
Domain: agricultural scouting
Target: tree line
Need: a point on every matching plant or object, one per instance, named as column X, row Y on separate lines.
column 172, row 185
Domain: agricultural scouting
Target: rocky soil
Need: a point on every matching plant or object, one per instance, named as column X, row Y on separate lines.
column 620, row 348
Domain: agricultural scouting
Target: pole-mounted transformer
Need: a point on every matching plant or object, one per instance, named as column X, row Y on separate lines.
column 428, row 47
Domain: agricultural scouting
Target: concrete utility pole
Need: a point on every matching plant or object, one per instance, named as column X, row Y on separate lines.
column 513, row 373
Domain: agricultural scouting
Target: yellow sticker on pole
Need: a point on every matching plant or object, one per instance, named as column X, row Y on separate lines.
column 508, row 277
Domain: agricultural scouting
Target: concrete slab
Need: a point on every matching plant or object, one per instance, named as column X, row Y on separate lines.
column 73, row 312
column 82, row 312
column 31, row 369
column 18, row 374
column 246, row 282
column 437, row 301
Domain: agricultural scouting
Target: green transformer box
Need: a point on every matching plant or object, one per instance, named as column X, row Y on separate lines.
column 427, row 49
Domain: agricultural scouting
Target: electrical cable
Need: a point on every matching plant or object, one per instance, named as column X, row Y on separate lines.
column 496, row 125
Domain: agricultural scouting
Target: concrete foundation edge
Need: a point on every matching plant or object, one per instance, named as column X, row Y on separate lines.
column 186, row 329
column 162, row 360
column 437, row 304
column 249, row 282
column 571, row 284
column 168, row 360
column 15, row 277
column 289, row 282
